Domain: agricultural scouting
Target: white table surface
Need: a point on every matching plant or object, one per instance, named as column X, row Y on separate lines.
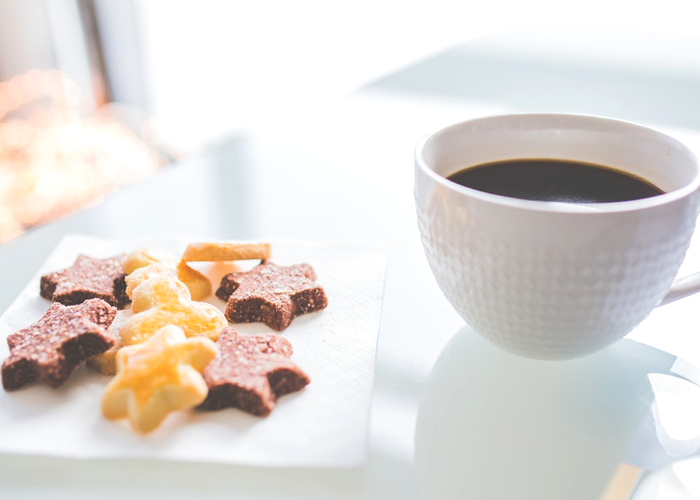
column 345, row 172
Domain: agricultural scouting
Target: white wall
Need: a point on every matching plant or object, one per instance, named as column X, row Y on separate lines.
column 25, row 37
column 213, row 67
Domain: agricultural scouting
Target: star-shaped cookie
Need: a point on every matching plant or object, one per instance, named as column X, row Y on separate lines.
column 157, row 377
column 251, row 372
column 87, row 278
column 271, row 294
column 54, row 346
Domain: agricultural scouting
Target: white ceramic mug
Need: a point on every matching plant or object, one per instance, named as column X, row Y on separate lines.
column 556, row 280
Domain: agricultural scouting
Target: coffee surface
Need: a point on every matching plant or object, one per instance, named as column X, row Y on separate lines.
column 555, row 180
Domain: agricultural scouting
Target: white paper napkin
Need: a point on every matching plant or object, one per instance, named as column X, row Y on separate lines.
column 324, row 425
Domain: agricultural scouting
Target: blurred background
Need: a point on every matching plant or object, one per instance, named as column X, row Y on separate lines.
column 96, row 95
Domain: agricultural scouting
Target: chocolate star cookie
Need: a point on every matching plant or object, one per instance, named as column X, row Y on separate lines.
column 272, row 294
column 251, row 372
column 87, row 278
column 54, row 346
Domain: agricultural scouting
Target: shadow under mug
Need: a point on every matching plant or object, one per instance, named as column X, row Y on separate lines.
column 556, row 280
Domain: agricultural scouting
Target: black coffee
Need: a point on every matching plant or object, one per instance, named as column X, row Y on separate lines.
column 555, row 180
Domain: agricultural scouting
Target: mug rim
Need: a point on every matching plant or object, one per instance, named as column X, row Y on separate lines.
column 560, row 207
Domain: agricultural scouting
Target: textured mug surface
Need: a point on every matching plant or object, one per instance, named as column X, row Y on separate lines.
column 554, row 280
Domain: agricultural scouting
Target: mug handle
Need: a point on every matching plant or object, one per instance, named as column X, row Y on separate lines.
column 682, row 287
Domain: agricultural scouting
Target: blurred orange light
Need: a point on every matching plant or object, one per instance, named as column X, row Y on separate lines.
column 52, row 160
column 12, row 93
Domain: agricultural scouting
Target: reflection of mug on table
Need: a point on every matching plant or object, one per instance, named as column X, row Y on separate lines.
column 494, row 426
column 550, row 279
